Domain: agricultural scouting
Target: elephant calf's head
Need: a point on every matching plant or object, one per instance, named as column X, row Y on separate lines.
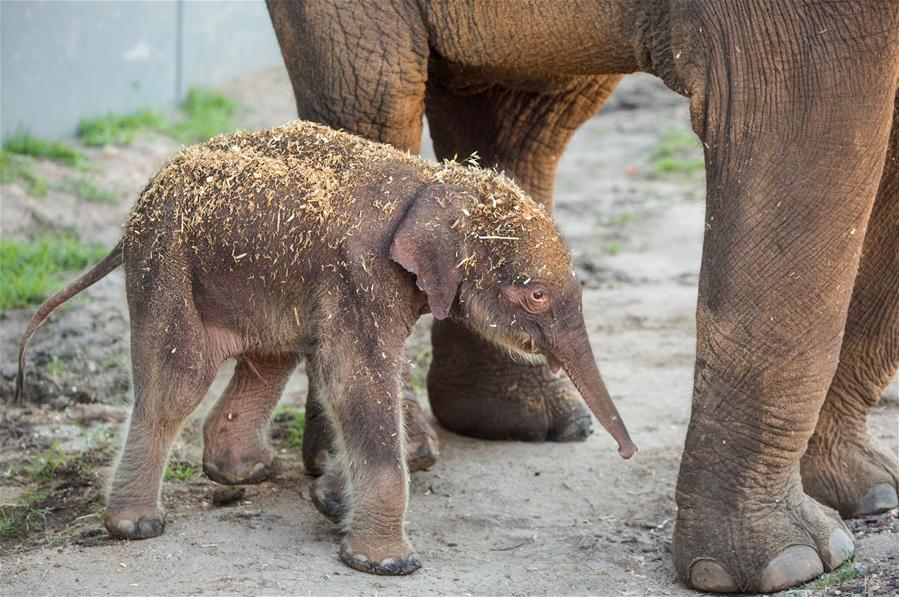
column 489, row 256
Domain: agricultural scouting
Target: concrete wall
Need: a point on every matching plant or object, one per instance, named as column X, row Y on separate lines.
column 64, row 60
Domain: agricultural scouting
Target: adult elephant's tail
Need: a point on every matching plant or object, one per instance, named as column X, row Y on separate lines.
column 99, row 271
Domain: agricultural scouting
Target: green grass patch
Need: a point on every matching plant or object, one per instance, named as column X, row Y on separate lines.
column 205, row 114
column 116, row 360
column 49, row 463
column 16, row 168
column 293, row 423
column 23, row 517
column 680, row 152
column 418, row 373
column 181, row 470
column 25, row 144
column 846, row 572
column 614, row 248
column 208, row 113
column 63, row 484
column 31, row 270
column 83, row 188
column 619, row 220
column 56, row 367
column 113, row 129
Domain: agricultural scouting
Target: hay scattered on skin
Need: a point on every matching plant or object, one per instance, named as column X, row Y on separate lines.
column 515, row 232
column 297, row 182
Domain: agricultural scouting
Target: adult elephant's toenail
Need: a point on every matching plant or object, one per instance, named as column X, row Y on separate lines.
column 709, row 575
column 841, row 548
column 880, row 498
column 794, row 565
column 576, row 430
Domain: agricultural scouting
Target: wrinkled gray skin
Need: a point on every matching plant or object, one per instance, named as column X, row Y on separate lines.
column 797, row 321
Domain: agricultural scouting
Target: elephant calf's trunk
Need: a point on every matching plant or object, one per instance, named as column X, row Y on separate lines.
column 581, row 368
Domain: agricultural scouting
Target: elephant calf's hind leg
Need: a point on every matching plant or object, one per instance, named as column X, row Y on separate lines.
column 235, row 446
column 171, row 377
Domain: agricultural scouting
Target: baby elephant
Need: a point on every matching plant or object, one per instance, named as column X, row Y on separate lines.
column 302, row 241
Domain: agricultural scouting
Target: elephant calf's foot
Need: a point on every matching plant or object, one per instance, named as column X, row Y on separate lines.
column 235, row 465
column 757, row 547
column 377, row 556
column 854, row 474
column 326, row 493
column 134, row 522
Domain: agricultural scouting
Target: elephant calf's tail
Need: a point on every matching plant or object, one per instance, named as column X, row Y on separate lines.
column 99, row 271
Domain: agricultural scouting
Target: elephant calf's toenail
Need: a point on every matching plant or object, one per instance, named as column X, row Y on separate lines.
column 125, row 528
column 709, row 575
column 150, row 527
column 794, row 565
column 841, row 548
column 880, row 498
column 259, row 473
column 399, row 566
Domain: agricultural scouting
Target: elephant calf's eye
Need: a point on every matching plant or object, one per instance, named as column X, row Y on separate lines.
column 536, row 300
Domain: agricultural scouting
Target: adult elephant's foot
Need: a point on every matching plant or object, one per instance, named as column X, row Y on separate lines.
column 422, row 447
column 761, row 544
column 851, row 472
column 476, row 389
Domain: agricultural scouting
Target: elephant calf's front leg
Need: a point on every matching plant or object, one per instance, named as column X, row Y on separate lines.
column 366, row 412
column 422, row 445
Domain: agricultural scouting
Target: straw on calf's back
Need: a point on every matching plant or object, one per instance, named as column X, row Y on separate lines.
column 285, row 179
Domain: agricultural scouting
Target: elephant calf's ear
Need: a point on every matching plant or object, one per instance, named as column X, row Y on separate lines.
column 426, row 245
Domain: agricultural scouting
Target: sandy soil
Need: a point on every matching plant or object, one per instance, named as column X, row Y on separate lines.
column 490, row 517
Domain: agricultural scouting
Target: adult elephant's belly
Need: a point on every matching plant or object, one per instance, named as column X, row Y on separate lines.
column 529, row 39
column 464, row 79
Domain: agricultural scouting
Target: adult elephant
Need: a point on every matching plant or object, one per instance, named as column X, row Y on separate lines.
column 798, row 317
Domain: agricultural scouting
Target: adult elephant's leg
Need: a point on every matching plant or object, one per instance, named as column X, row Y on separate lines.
column 475, row 388
column 358, row 66
column 793, row 101
column 845, row 467
column 361, row 67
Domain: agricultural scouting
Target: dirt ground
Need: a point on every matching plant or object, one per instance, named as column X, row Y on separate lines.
column 490, row 517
